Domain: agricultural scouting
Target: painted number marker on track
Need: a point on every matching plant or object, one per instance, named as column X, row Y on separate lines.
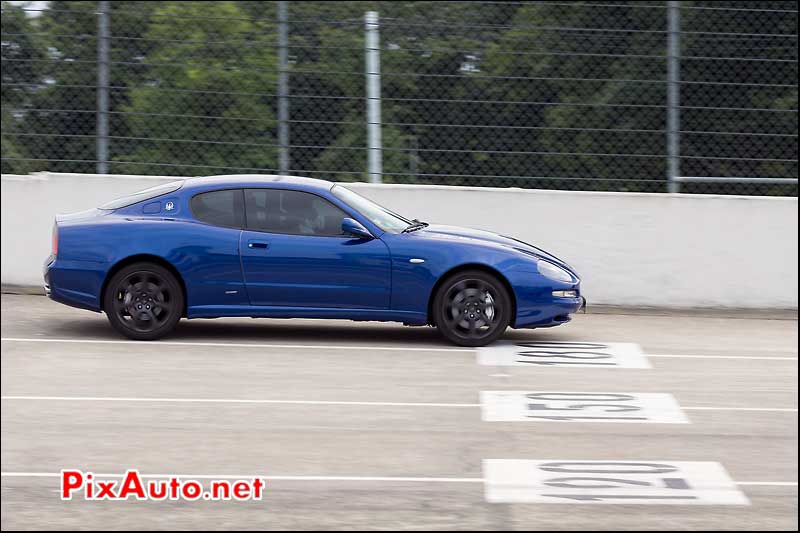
column 564, row 354
column 610, row 482
column 628, row 407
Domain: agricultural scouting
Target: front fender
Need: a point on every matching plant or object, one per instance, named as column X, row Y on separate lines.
column 413, row 282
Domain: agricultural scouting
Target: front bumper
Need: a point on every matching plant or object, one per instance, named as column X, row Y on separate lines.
column 552, row 312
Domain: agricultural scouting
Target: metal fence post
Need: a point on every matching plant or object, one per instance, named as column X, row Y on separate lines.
column 283, row 88
column 102, row 87
column 373, row 75
column 673, row 96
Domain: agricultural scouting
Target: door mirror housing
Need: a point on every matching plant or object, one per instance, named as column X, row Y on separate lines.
column 355, row 228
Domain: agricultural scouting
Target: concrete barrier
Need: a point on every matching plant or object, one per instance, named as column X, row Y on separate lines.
column 654, row 250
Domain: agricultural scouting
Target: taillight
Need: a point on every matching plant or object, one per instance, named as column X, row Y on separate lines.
column 55, row 239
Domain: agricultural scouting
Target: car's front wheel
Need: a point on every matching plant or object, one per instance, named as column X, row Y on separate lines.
column 472, row 308
column 143, row 301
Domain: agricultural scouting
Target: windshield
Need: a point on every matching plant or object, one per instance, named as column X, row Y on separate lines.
column 380, row 216
column 152, row 192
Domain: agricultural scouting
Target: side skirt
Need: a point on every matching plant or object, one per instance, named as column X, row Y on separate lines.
column 265, row 311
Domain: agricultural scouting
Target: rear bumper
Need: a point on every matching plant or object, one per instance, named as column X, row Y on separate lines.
column 46, row 273
column 72, row 283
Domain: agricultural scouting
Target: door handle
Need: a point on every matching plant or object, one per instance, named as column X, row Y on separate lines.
column 257, row 244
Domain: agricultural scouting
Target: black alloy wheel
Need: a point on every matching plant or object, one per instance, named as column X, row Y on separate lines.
column 472, row 308
column 143, row 301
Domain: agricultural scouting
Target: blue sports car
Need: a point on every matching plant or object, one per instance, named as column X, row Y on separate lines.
column 291, row 247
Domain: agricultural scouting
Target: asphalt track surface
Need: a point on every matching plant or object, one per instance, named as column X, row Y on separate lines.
column 373, row 426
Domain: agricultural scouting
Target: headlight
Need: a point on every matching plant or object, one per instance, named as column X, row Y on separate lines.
column 551, row 271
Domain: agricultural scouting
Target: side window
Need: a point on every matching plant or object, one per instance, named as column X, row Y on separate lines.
column 220, row 208
column 292, row 212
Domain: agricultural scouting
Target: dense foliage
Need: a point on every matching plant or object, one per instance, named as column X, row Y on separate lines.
column 530, row 94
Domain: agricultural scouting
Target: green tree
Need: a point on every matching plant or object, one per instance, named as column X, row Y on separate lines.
column 208, row 94
column 596, row 110
column 61, row 121
column 22, row 53
column 568, row 95
column 419, row 62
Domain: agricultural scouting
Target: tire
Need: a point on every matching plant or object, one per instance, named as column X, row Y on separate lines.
column 463, row 303
column 143, row 301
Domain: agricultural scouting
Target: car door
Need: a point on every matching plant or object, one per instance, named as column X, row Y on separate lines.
column 208, row 253
column 294, row 254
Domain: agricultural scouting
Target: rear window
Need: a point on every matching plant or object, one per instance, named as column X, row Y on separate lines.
column 220, row 208
column 147, row 194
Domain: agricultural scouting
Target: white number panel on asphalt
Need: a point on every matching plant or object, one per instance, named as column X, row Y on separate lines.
column 609, row 482
column 566, row 354
column 629, row 407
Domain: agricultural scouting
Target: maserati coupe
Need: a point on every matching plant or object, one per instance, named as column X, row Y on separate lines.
column 292, row 247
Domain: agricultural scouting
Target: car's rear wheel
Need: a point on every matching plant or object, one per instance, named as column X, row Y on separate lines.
column 472, row 308
column 143, row 301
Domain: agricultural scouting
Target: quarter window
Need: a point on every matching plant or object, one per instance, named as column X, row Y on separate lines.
column 292, row 212
column 220, row 208
column 147, row 194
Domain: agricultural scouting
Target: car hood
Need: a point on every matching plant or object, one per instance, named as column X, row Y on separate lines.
column 481, row 236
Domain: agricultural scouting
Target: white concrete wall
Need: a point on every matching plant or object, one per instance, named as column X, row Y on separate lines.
column 631, row 249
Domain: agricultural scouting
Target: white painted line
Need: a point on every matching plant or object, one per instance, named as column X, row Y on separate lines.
column 318, row 402
column 29, row 474
column 766, row 409
column 743, row 357
column 386, row 479
column 767, row 483
column 581, row 407
column 657, row 482
column 232, row 400
column 347, row 347
column 244, row 345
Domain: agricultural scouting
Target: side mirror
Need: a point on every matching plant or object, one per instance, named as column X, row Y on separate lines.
column 355, row 228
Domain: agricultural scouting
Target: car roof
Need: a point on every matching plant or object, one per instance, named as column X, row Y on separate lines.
column 256, row 180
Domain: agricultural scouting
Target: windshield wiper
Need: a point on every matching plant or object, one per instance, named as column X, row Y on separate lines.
column 415, row 225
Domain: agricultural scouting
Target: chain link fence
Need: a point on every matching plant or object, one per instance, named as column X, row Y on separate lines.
column 557, row 95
